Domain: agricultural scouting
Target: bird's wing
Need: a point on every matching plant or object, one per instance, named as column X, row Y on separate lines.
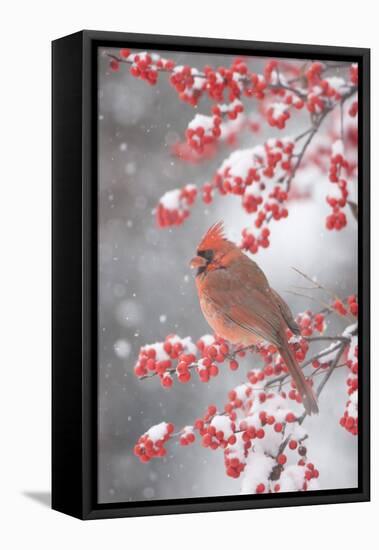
column 244, row 296
column 286, row 312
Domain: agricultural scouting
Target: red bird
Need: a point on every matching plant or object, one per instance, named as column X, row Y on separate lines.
column 241, row 307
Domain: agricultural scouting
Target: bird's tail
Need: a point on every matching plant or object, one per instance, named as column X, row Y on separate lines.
column 305, row 390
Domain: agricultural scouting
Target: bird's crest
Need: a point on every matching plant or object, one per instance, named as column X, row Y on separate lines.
column 214, row 237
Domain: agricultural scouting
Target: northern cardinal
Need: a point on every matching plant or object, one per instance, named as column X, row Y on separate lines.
column 241, row 307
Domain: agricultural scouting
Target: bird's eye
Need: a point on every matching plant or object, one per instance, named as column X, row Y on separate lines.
column 206, row 254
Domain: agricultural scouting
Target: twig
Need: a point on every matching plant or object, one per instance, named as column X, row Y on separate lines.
column 318, row 286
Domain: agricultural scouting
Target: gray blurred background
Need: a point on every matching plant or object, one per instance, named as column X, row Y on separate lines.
column 146, row 289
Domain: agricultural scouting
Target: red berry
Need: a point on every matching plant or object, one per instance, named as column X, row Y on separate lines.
column 260, row 488
column 114, row 65
column 281, row 459
column 124, row 52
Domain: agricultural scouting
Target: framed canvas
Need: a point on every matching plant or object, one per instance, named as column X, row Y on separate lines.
column 243, row 382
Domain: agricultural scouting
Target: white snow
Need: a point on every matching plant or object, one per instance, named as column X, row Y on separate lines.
column 292, row 478
column 337, row 83
column 198, row 81
column 171, row 199
column 161, row 355
column 278, row 109
column 157, row 432
column 330, row 353
column 203, row 121
column 208, row 339
column 258, row 468
column 227, row 107
column 240, row 161
column 351, row 353
column 222, row 423
column 337, row 147
column 349, row 330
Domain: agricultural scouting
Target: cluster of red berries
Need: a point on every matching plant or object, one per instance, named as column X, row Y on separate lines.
column 314, row 103
column 188, row 83
column 234, row 462
column 212, row 351
column 173, row 207
column 159, row 359
column 251, row 202
column 259, row 163
column 218, row 433
column 230, row 110
column 255, row 427
column 321, row 90
column 202, row 131
column 278, row 153
column 350, row 423
column 207, row 193
column 310, row 473
column 352, row 383
column 187, row 436
column 339, row 307
column 275, row 206
column 151, row 444
column 293, row 100
column 143, row 65
column 207, row 369
column 238, row 398
column 349, row 420
column 268, row 72
column 314, row 73
column 309, row 322
column 216, row 430
column 337, row 162
column 352, row 360
column 251, row 243
column 277, row 115
column 337, row 220
column 180, row 356
column 144, row 68
column 353, row 304
column 191, row 84
column 185, row 362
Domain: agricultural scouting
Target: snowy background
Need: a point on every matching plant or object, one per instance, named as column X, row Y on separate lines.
column 146, row 290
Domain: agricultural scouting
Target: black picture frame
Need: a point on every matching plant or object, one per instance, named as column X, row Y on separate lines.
column 74, row 272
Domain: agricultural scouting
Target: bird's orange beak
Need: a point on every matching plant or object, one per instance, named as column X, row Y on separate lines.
column 197, row 262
